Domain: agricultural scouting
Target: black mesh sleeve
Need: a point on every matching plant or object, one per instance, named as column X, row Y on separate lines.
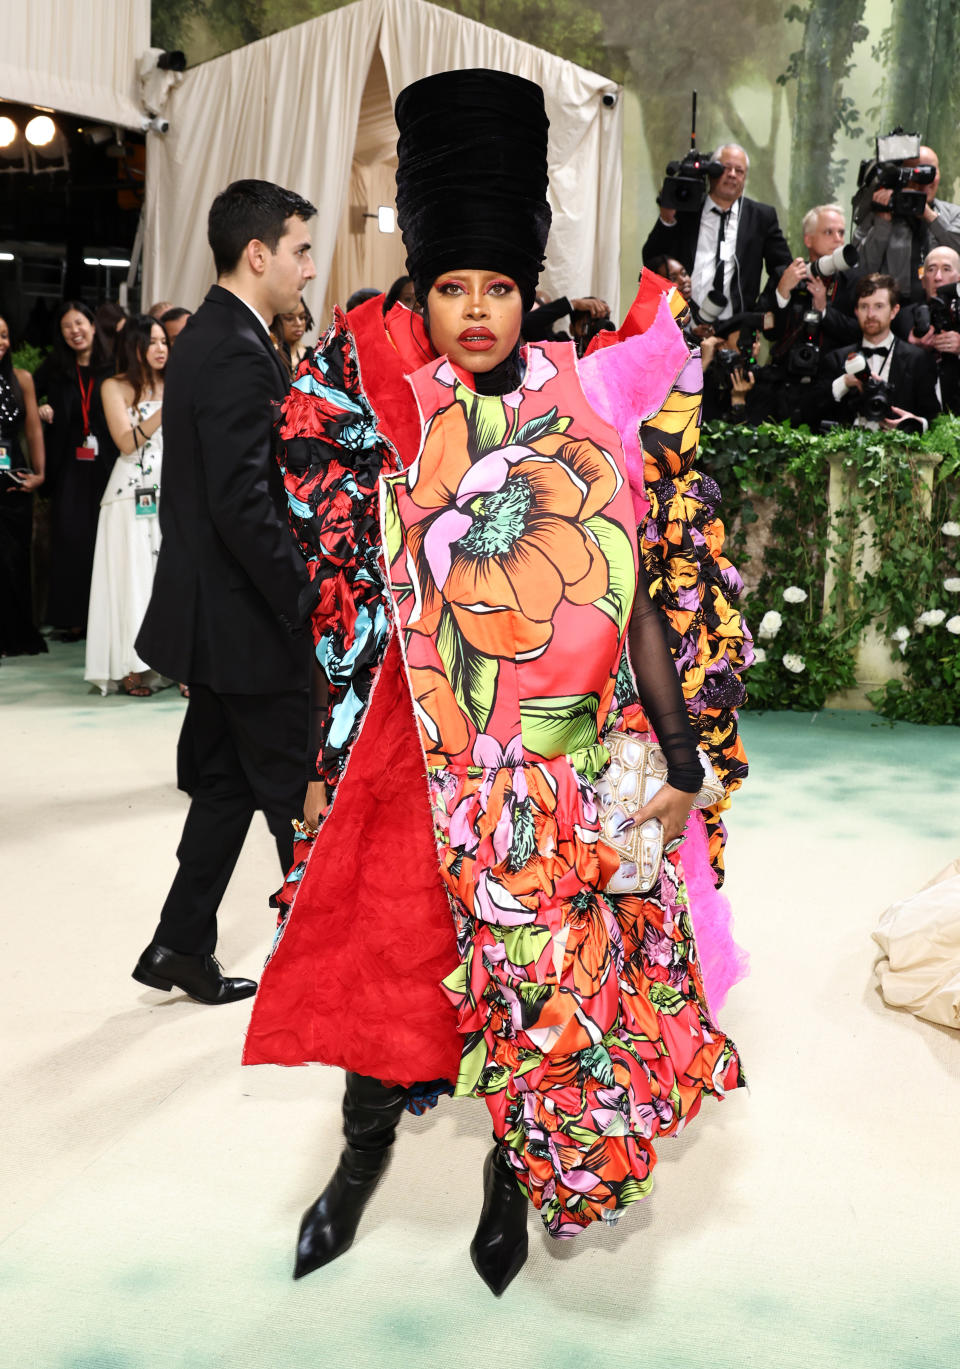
column 658, row 685
column 318, row 720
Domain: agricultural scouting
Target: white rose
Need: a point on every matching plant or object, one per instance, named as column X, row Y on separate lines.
column 759, row 655
column 794, row 662
column 952, row 586
column 901, row 634
column 769, row 624
column 951, row 529
column 953, row 624
column 793, row 594
column 933, row 617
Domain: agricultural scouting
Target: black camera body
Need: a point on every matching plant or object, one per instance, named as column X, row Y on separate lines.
column 886, row 171
column 941, row 312
column 685, row 186
column 803, row 358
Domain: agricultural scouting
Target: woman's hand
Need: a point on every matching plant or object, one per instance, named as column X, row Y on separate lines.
column 314, row 803
column 46, row 413
column 29, row 481
column 672, row 807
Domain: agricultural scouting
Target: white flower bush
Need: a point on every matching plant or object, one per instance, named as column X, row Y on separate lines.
column 770, row 625
column 951, row 529
column 901, row 636
column 953, row 625
column 793, row 594
column 759, row 655
column 933, row 617
column 794, row 663
column 952, row 585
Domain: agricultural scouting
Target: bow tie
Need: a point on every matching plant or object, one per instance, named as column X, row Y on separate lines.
column 874, row 351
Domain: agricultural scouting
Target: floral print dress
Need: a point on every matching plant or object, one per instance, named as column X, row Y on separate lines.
column 511, row 554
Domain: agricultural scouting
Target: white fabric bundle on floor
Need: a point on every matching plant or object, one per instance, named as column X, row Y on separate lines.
column 920, row 940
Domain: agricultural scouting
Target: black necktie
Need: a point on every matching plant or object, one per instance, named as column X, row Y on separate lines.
column 874, row 351
column 722, row 215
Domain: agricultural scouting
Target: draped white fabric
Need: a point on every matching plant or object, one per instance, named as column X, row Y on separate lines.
column 307, row 109
column 79, row 56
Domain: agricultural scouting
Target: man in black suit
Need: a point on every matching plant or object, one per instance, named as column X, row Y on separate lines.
column 726, row 244
column 908, row 371
column 223, row 615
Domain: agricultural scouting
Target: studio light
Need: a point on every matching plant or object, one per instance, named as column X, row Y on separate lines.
column 8, row 131
column 7, row 256
column 41, row 130
column 106, row 261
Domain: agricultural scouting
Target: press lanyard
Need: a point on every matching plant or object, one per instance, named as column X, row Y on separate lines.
column 86, row 398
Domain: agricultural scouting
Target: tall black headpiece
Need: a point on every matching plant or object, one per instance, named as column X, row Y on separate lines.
column 472, row 176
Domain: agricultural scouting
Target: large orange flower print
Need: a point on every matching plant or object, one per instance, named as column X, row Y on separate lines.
column 508, row 533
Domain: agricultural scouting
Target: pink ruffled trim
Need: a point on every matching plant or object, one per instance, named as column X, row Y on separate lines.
column 722, row 962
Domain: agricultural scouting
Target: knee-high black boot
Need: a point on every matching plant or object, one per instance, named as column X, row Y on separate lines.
column 499, row 1247
column 371, row 1111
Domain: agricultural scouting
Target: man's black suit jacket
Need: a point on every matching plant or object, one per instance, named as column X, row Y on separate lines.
column 760, row 243
column 912, row 379
column 228, row 577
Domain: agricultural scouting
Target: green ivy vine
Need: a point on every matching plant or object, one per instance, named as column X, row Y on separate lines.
column 905, row 584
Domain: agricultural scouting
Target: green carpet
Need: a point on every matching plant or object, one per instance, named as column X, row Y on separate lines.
column 150, row 1189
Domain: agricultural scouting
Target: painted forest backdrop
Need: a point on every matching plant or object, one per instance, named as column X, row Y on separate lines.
column 804, row 88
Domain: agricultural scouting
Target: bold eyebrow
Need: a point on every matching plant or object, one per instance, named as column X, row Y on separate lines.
column 303, row 247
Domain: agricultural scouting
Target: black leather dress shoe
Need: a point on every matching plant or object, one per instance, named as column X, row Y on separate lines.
column 197, row 975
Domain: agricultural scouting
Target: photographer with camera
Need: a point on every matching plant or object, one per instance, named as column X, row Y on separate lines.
column 730, row 374
column 883, row 382
column 899, row 218
column 935, row 324
column 823, row 284
column 723, row 238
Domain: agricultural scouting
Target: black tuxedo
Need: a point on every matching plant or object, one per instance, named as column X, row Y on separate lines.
column 760, row 243
column 223, row 612
column 912, row 380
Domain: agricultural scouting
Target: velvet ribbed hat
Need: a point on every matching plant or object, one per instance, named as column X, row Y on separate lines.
column 472, row 176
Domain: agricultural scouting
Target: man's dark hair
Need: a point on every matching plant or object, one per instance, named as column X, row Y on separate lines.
column 247, row 210
column 869, row 285
column 171, row 315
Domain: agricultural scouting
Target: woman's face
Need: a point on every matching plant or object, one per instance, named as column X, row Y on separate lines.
column 475, row 318
column 4, row 338
column 77, row 330
column 677, row 272
column 408, row 297
column 294, row 325
column 157, row 351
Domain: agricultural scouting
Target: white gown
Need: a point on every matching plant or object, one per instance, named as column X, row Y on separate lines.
column 124, row 563
column 920, row 940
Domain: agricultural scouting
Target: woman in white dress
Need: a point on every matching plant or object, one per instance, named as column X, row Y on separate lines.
column 128, row 533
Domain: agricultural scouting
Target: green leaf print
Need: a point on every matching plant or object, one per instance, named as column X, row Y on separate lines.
column 555, row 727
column 525, row 945
column 597, row 1064
column 487, row 421
column 472, row 1062
column 392, row 530
column 472, row 675
column 666, row 999
column 618, row 554
column 539, row 427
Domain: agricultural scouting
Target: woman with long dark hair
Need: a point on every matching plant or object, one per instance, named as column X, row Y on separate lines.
column 288, row 332
column 128, row 534
column 18, row 480
column 476, row 525
column 80, row 454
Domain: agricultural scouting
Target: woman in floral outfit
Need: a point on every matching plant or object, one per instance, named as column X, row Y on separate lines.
column 482, row 618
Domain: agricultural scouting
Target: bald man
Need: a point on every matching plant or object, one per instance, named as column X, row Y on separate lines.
column 896, row 246
column 940, row 267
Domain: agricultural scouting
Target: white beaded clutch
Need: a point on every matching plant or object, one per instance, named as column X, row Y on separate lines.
column 636, row 771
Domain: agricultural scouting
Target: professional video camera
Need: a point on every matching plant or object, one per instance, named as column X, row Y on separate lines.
column 886, row 172
column 685, row 186
column 942, row 312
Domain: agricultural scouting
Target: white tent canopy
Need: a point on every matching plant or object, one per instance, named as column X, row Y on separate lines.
column 311, row 108
column 79, row 56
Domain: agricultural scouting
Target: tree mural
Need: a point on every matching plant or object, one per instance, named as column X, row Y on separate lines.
column 819, row 67
column 922, row 58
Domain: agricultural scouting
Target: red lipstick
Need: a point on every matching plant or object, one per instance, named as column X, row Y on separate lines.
column 476, row 338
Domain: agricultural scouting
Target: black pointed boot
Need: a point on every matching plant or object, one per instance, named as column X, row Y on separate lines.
column 371, row 1111
column 499, row 1247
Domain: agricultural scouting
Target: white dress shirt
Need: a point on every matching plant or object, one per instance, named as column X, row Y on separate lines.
column 705, row 262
